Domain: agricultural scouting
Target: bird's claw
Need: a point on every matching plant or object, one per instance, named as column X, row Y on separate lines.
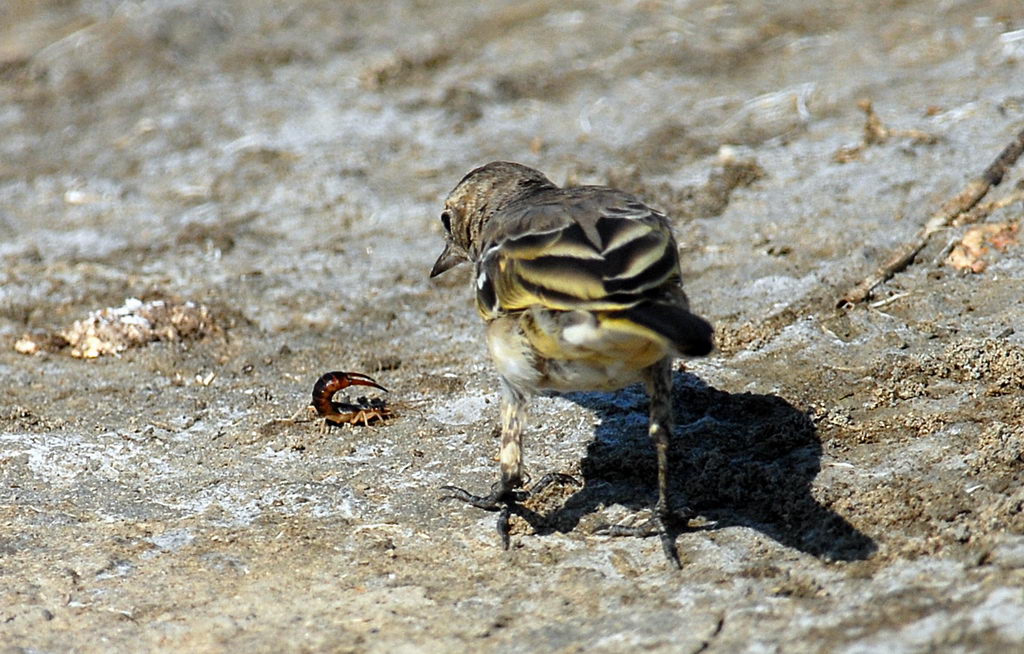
column 505, row 500
column 493, row 502
column 666, row 524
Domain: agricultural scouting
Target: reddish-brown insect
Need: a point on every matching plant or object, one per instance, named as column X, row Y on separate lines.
column 343, row 413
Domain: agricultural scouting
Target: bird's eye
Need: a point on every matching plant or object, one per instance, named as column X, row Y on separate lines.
column 446, row 220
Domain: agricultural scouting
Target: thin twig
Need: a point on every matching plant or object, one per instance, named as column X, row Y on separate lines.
column 889, row 300
column 940, row 258
column 984, row 209
column 941, row 219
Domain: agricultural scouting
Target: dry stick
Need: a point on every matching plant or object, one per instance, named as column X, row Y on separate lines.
column 984, row 209
column 961, row 202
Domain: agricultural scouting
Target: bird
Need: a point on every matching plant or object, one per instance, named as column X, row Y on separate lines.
column 580, row 290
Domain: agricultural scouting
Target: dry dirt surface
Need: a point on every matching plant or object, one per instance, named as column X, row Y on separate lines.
column 204, row 206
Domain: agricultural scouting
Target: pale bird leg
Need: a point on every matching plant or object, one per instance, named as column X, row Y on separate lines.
column 659, row 387
column 504, row 498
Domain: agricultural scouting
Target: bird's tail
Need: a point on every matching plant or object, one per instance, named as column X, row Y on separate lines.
column 690, row 334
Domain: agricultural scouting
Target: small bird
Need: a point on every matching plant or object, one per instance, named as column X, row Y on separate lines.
column 580, row 289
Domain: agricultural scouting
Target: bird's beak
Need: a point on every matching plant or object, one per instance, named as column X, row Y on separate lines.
column 450, row 258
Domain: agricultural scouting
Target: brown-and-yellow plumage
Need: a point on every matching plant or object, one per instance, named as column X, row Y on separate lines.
column 580, row 288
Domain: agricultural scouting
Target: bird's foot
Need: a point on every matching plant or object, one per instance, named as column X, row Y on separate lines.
column 664, row 523
column 505, row 500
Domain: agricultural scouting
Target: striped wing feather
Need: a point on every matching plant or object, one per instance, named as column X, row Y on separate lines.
column 607, row 259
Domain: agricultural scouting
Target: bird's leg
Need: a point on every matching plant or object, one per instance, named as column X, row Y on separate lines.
column 506, row 493
column 503, row 493
column 659, row 386
column 660, row 429
column 513, row 422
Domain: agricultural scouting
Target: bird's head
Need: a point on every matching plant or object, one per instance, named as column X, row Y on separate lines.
column 474, row 201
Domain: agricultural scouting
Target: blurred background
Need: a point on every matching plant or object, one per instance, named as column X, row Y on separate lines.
column 281, row 166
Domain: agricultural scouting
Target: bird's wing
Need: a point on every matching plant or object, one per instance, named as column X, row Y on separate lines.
column 586, row 248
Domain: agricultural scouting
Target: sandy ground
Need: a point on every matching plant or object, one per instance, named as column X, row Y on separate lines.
column 856, row 474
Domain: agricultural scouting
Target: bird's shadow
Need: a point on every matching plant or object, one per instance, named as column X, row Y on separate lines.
column 735, row 460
